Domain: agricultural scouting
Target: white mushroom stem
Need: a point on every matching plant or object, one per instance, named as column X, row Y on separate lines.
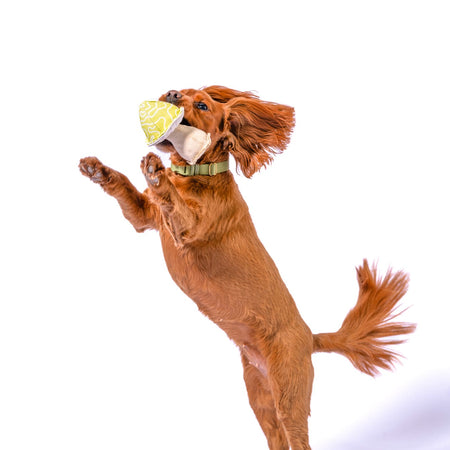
column 189, row 142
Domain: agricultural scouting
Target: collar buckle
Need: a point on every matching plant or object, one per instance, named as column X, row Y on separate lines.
column 212, row 169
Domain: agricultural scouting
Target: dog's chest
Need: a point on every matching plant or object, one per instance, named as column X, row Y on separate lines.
column 191, row 271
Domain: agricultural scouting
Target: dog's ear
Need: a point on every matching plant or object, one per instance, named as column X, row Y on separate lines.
column 256, row 131
column 223, row 94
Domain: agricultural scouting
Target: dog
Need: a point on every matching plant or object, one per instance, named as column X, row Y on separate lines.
column 213, row 253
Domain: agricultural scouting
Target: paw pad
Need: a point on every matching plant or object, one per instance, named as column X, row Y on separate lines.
column 152, row 168
column 92, row 168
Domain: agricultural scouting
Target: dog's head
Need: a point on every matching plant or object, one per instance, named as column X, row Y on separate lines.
column 239, row 123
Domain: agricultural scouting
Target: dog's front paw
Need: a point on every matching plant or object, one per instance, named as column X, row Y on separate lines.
column 92, row 168
column 152, row 168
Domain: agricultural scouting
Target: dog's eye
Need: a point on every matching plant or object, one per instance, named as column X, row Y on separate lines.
column 202, row 106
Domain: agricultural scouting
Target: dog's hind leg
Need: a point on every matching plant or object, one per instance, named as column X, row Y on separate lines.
column 290, row 379
column 263, row 406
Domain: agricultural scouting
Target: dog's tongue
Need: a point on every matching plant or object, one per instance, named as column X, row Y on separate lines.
column 161, row 121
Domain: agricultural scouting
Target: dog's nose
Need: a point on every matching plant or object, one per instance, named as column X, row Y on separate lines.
column 173, row 97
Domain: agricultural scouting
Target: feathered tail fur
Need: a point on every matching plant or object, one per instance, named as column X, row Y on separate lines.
column 368, row 330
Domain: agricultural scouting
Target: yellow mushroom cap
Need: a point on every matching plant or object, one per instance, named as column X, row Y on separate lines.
column 159, row 119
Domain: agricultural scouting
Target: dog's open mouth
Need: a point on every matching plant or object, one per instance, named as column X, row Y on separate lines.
column 166, row 144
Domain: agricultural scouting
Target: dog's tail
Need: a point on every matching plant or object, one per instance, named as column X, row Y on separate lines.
column 368, row 329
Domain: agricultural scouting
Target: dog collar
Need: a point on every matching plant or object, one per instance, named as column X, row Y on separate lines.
column 201, row 169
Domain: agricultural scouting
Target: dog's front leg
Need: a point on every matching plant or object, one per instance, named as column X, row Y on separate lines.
column 136, row 207
column 179, row 218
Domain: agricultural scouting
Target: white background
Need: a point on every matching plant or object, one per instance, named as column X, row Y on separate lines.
column 98, row 348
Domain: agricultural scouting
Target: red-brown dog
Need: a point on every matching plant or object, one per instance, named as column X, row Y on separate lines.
column 213, row 253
